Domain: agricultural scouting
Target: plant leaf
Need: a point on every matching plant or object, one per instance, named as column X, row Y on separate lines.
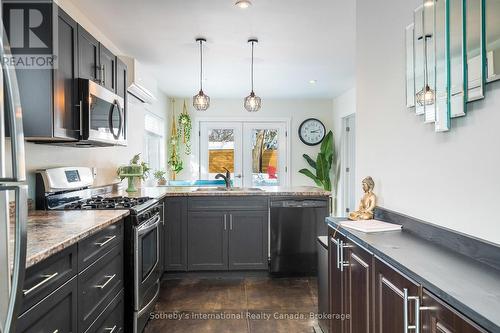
column 327, row 148
column 310, row 161
column 321, row 167
column 309, row 174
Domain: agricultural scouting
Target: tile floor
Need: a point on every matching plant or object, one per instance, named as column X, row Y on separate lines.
column 234, row 305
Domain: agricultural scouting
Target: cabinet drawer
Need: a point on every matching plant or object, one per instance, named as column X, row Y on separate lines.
column 228, row 203
column 93, row 247
column 112, row 319
column 48, row 275
column 98, row 285
column 56, row 313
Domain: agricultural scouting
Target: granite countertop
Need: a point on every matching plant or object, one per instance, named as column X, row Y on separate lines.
column 52, row 231
column 160, row 192
column 469, row 286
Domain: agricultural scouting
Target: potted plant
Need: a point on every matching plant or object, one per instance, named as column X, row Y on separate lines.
column 323, row 164
column 160, row 177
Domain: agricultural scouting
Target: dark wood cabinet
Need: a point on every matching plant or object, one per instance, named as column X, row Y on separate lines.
column 335, row 285
column 107, row 66
column 393, row 299
column 438, row 317
column 248, row 232
column 207, row 240
column 121, row 79
column 88, row 56
column 175, row 234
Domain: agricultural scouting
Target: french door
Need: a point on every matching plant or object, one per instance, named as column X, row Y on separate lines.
column 254, row 152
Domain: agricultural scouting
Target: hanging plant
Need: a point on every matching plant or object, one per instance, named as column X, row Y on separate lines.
column 174, row 160
column 185, row 127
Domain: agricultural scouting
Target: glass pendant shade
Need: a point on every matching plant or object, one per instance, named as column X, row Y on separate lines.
column 425, row 96
column 201, row 102
column 252, row 102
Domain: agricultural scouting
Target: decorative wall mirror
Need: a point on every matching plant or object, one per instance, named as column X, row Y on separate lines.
column 410, row 73
column 457, row 56
column 492, row 26
column 429, row 38
column 475, row 49
column 442, row 72
column 418, row 44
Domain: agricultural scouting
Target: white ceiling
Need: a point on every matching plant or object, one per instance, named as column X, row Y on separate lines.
column 299, row 41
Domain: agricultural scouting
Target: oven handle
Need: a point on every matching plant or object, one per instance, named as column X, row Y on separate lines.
column 116, row 105
column 148, row 226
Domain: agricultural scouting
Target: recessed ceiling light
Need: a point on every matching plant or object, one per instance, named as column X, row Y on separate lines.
column 243, row 3
column 312, row 81
column 428, row 3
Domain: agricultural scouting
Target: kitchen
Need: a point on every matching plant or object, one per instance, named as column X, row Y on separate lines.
column 138, row 207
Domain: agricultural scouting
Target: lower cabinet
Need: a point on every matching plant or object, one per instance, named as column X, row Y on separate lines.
column 175, row 234
column 56, row 313
column 438, row 317
column 112, row 319
column 222, row 240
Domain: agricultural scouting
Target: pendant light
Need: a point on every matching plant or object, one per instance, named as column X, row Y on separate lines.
column 426, row 96
column 252, row 101
column 201, row 102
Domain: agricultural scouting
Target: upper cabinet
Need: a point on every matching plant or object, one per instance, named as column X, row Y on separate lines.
column 107, row 64
column 88, row 55
column 121, row 79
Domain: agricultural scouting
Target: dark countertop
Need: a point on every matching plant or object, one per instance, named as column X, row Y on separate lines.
column 471, row 287
column 52, row 231
column 160, row 192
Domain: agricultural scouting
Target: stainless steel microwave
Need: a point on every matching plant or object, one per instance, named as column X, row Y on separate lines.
column 103, row 117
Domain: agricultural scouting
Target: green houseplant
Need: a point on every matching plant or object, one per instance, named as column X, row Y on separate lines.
column 136, row 169
column 160, row 177
column 323, row 163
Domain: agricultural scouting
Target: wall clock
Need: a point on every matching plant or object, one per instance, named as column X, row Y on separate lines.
column 312, row 131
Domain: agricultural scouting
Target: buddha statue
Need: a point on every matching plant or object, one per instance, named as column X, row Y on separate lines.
column 367, row 203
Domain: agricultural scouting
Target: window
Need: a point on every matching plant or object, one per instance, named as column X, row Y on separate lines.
column 154, row 141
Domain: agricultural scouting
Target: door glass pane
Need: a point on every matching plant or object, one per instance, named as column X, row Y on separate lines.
column 149, row 252
column 265, row 157
column 220, row 151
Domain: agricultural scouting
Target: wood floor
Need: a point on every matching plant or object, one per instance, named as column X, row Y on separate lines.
column 234, row 305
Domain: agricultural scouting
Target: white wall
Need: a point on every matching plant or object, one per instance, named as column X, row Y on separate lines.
column 450, row 179
column 297, row 110
column 106, row 159
column 343, row 105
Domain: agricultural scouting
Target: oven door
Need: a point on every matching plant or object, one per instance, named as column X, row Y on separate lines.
column 146, row 262
column 103, row 115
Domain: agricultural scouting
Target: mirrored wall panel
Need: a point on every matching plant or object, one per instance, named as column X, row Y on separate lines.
column 410, row 74
column 429, row 95
column 457, row 57
column 442, row 73
column 418, row 20
column 492, row 21
column 475, row 50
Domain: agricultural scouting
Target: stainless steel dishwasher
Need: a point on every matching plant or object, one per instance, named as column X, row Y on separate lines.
column 295, row 224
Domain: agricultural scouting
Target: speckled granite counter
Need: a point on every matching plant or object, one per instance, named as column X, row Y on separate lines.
column 469, row 286
column 52, row 231
column 160, row 192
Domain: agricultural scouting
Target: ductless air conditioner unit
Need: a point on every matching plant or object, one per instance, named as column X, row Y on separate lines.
column 135, row 83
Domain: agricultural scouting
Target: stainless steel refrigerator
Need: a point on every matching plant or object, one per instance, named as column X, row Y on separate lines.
column 12, row 188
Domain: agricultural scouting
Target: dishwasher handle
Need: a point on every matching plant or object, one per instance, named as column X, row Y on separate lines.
column 306, row 203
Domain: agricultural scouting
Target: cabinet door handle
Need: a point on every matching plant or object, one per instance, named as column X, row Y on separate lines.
column 56, row 331
column 108, row 239
column 225, row 222
column 103, row 71
column 109, row 279
column 416, row 326
column 47, row 278
column 110, row 329
column 338, row 253
column 230, row 221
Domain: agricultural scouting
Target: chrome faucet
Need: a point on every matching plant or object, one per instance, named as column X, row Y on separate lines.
column 227, row 177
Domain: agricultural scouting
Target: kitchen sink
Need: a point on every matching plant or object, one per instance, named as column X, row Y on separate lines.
column 232, row 189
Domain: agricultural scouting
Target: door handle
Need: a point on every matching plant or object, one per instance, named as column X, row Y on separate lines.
column 225, row 222
column 416, row 326
column 103, row 71
column 230, row 221
column 108, row 239
column 110, row 329
column 109, row 279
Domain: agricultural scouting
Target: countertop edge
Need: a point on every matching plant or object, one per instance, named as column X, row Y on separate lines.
column 40, row 256
column 460, row 306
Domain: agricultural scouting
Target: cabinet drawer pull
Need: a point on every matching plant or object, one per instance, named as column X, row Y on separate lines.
column 230, row 221
column 225, row 222
column 108, row 239
column 109, row 279
column 47, row 278
column 416, row 325
column 110, row 329
column 56, row 331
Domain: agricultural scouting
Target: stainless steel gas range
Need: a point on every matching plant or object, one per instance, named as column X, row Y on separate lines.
column 70, row 188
